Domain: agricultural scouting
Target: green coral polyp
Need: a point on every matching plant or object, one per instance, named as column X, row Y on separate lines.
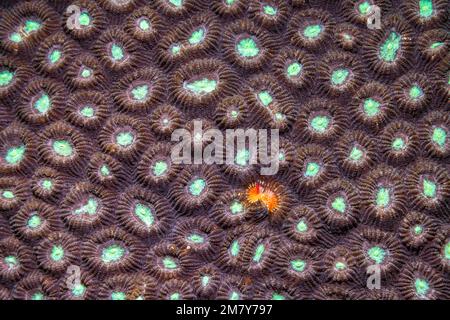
column 383, row 197
column 339, row 76
column 439, row 136
column 202, row 86
column 259, row 252
column 169, row 263
column 63, row 148
column 14, row 155
column 113, row 253
column 371, row 107
column 418, row 229
column 247, row 48
column 140, row 93
column 43, row 103
column 196, row 238
column 197, row 187
column 320, row 123
column 389, row 49
column 144, row 213
column 302, row 226
column 398, row 144
column 55, row 55
column 312, row 169
column 15, row 37
column 86, row 73
column 159, row 168
column 429, row 188
column 294, row 69
column 269, row 10
column 312, row 31
column 7, row 194
column 57, row 253
column 426, row 8
column 34, row 222
column 118, row 296
column 89, row 208
column 117, row 52
column 377, row 254
column 78, row 290
column 176, row 3
column 31, row 26
column 11, row 261
column 197, row 36
column 298, row 265
column 6, row 78
column 124, row 139
column 356, row 154
column 84, row 19
column 415, row 92
column 242, row 157
column 144, row 24
column 340, row 266
column 235, row 248
column 87, row 112
column 339, row 204
column 364, row 8
column 265, row 97
column 236, row 207
column 422, row 287
column 46, row 184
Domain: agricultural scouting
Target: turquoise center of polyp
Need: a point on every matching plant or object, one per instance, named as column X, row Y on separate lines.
column 447, row 251
column 418, row 229
column 112, row 253
column 104, row 170
column 426, row 8
column 302, row 226
column 117, row 52
column 11, row 261
column 197, row 36
column 15, row 154
column 298, row 265
column 87, row 112
column 15, row 37
column 364, row 8
column 389, row 49
column 247, row 48
column 235, row 248
column 415, row 92
column 312, row 169
column 377, row 254
column 31, row 25
column 6, row 77
column 176, row 3
column 259, row 251
column 159, row 168
column 356, row 154
column 78, row 290
column 383, row 197
column 46, row 184
column 439, row 136
column 277, row 296
column 429, row 188
column 196, row 238
column 144, row 213
column 57, row 253
column 7, row 194
column 43, row 103
column 140, row 92
column 398, row 144
column 34, row 221
column 86, row 73
column 312, row 31
column 84, row 19
column 169, row 263
column 269, row 10
column 294, row 69
column 62, row 148
column 242, row 157
column 124, row 139
column 338, row 204
column 89, row 208
column 54, row 56
column 197, row 187
column 422, row 287
column 144, row 24
column 339, row 76
column 371, row 107
column 236, row 207
column 37, row 296
column 202, row 86
column 118, row 295
column 320, row 123
column 340, row 266
column 265, row 98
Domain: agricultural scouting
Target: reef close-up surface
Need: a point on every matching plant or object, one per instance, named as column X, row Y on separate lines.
column 96, row 95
